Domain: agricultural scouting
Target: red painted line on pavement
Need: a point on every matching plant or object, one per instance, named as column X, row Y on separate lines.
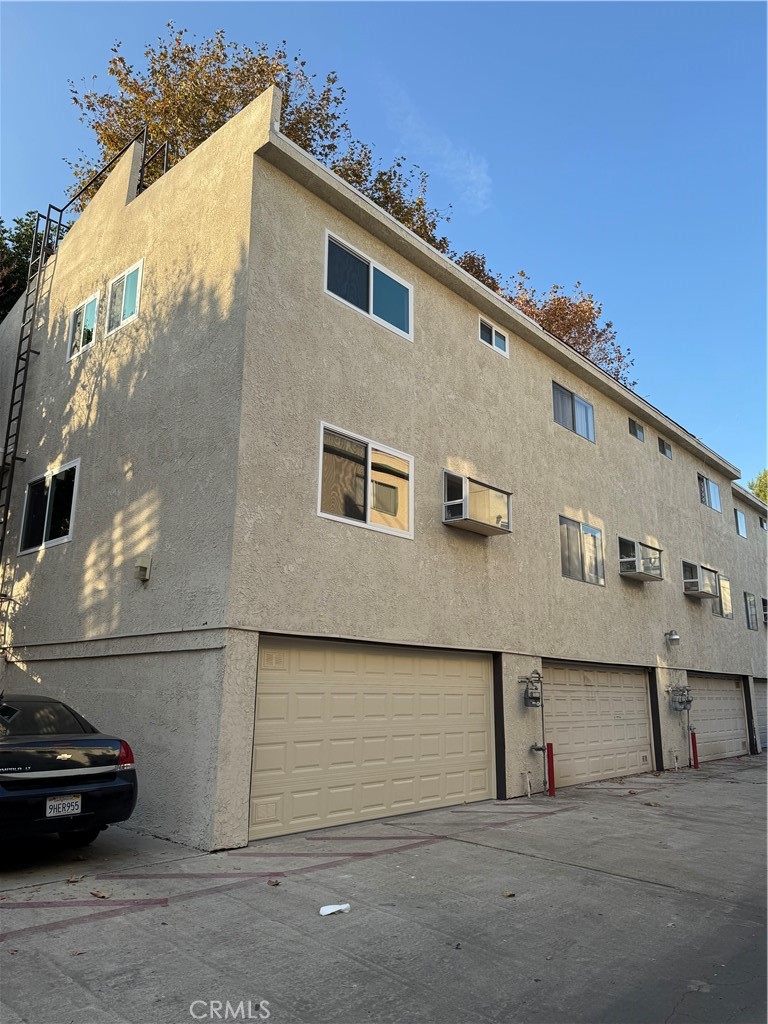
column 53, row 926
column 161, row 901
column 50, row 926
column 196, row 874
column 258, row 853
column 526, row 812
column 357, row 839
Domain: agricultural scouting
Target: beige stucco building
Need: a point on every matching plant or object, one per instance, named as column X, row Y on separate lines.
column 375, row 496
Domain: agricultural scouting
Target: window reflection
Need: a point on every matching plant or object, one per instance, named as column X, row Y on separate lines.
column 390, row 479
column 343, row 491
column 364, row 483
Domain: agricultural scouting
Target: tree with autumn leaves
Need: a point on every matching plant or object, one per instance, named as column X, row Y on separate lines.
column 186, row 90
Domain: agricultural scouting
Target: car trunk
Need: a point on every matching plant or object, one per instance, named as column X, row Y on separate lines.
column 25, row 756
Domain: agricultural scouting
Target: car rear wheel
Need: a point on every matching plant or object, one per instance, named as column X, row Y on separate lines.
column 83, row 837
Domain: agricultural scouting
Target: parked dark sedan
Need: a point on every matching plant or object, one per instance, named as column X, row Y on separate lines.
column 60, row 774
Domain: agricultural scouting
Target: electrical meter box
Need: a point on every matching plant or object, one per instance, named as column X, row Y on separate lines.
column 532, row 695
column 681, row 698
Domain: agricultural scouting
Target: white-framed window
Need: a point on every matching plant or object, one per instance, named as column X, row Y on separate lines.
column 699, row 581
column 581, row 552
column 636, row 429
column 49, row 508
column 709, row 492
column 573, row 412
column 494, row 338
column 765, row 610
column 750, row 607
column 665, row 448
column 124, row 293
column 364, row 483
column 360, row 282
column 82, row 326
column 639, row 561
column 722, row 605
column 741, row 522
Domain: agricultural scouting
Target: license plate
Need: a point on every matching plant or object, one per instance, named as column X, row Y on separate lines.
column 59, row 806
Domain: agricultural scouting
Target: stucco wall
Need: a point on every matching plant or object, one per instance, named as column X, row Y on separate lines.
column 152, row 412
column 450, row 402
column 165, row 700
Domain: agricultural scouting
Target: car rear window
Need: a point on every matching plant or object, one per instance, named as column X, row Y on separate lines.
column 40, row 718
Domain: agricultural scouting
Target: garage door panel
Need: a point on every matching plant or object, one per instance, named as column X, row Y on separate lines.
column 348, row 732
column 429, row 705
column 719, row 717
column 598, row 721
column 374, row 751
column 373, row 706
column 761, row 711
column 429, row 747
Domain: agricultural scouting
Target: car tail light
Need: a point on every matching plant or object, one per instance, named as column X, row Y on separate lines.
column 125, row 757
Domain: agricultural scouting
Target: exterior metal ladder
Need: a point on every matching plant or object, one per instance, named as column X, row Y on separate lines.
column 49, row 231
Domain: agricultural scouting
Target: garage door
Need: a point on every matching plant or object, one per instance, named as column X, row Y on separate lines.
column 346, row 732
column 598, row 720
column 718, row 716
column 761, row 711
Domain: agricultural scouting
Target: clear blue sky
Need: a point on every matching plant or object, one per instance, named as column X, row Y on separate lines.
column 619, row 144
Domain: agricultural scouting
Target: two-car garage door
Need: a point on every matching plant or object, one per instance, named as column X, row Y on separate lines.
column 347, row 732
column 718, row 716
column 598, row 719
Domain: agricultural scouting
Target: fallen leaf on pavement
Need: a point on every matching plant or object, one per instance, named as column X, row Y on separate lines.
column 633, row 792
column 75, row 878
column 507, row 894
column 650, row 803
column 273, row 881
column 99, row 894
column 77, row 952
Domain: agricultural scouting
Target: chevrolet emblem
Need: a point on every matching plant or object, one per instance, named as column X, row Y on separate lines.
column 63, row 757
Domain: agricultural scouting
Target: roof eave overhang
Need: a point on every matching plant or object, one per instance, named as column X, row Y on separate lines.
column 316, row 178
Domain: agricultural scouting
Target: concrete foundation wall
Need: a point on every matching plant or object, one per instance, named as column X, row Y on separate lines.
column 235, row 741
column 166, row 702
column 522, row 727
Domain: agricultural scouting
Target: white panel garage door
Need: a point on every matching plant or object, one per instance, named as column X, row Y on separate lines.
column 598, row 720
column 718, row 716
column 761, row 711
column 346, row 732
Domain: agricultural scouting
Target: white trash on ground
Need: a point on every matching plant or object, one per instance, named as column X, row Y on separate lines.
column 334, row 908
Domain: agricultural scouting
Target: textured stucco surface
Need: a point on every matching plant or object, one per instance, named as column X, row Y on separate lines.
column 166, row 703
column 198, row 431
column 152, row 412
column 450, row 402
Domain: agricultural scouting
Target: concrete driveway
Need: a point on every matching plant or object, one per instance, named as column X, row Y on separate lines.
column 639, row 900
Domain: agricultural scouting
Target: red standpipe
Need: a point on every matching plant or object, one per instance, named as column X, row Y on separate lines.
column 551, row 768
column 694, row 749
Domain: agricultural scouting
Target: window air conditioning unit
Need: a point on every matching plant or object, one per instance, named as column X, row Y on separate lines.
column 699, row 582
column 639, row 561
column 471, row 505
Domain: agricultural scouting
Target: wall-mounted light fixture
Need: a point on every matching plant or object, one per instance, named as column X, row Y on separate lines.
column 672, row 638
column 143, row 567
